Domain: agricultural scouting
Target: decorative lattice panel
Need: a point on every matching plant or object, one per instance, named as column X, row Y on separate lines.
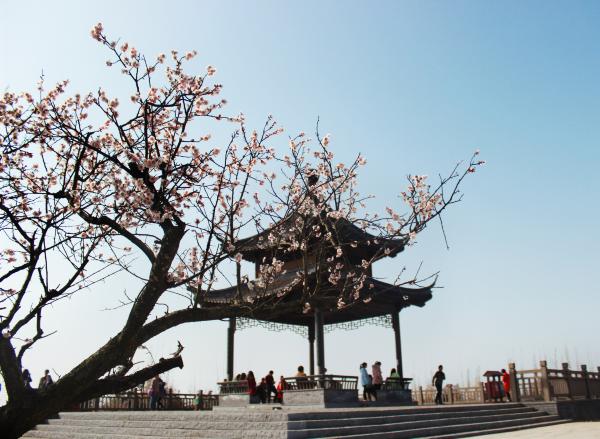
column 245, row 323
column 384, row 321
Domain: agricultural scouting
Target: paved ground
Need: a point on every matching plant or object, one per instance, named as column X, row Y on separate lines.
column 572, row 430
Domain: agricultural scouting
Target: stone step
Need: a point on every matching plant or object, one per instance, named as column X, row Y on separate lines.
column 394, row 418
column 162, row 425
column 499, row 430
column 298, row 429
column 452, row 431
column 277, row 430
column 216, row 434
column 276, row 422
column 369, row 412
column 355, row 430
column 369, row 423
column 401, row 430
column 67, row 435
column 183, row 416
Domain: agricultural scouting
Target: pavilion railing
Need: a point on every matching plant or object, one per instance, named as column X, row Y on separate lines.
column 233, row 387
column 546, row 384
column 141, row 401
column 315, row 382
column 396, row 383
column 451, row 394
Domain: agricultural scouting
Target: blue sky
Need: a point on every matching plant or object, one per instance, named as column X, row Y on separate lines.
column 415, row 86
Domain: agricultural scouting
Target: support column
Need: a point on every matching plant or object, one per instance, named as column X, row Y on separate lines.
column 311, row 349
column 396, row 326
column 230, row 341
column 319, row 336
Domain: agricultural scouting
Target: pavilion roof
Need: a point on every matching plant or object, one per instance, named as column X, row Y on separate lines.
column 378, row 298
column 361, row 242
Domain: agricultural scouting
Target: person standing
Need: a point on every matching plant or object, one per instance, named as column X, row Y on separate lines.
column 377, row 377
column 365, row 381
column 26, row 376
column 198, row 401
column 301, row 378
column 45, row 381
column 280, row 388
column 154, row 392
column 261, row 391
column 271, row 390
column 252, row 387
column 162, row 393
column 506, row 383
column 438, row 382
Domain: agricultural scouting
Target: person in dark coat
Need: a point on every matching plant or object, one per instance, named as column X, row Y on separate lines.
column 271, row 390
column 26, row 378
column 438, row 382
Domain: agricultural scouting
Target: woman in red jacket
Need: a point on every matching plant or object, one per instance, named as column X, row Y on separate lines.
column 251, row 385
column 506, row 383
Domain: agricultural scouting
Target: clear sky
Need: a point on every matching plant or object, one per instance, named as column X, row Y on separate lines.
column 415, row 86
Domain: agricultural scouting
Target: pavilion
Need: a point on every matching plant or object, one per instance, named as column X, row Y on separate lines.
column 380, row 302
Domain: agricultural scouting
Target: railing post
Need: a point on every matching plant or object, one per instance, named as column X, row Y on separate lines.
column 515, row 393
column 97, row 404
column 136, row 400
column 482, row 391
column 545, row 382
column 420, row 399
column 567, row 375
column 584, row 372
column 450, row 394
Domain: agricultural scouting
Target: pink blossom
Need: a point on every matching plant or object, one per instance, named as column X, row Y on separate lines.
column 96, row 32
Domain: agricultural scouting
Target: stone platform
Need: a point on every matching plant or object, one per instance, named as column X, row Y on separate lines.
column 262, row 422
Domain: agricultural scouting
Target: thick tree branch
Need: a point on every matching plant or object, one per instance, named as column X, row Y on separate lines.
column 116, row 384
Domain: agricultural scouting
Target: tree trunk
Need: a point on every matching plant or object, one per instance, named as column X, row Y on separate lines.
column 36, row 407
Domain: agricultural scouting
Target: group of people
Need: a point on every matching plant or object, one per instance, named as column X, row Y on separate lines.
column 266, row 391
column 372, row 382
column 45, row 381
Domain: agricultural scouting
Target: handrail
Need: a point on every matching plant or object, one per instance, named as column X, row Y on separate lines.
column 141, row 401
column 314, row 382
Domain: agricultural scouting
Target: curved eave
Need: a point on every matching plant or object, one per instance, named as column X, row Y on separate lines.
column 377, row 299
column 255, row 247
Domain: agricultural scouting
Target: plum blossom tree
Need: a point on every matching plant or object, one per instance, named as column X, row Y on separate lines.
column 99, row 185
column 310, row 212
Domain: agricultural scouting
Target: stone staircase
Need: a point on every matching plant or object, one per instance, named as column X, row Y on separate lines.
column 262, row 422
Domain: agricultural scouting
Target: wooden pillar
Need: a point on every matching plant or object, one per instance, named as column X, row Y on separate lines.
column 319, row 337
column 230, row 342
column 311, row 349
column 396, row 326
